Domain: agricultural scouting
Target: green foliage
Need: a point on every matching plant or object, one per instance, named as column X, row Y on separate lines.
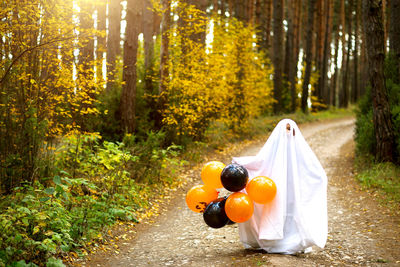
column 382, row 177
column 107, row 122
column 96, row 187
column 365, row 132
column 154, row 163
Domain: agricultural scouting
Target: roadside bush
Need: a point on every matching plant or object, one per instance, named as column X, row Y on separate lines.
column 98, row 184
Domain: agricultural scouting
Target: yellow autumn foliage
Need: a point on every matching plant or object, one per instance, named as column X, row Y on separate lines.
column 40, row 96
column 229, row 81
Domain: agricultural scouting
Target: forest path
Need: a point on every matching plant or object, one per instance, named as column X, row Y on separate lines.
column 361, row 233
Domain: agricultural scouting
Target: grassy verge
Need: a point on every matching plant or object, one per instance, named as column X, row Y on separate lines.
column 382, row 178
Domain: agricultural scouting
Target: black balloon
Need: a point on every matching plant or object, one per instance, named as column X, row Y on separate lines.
column 234, row 177
column 214, row 215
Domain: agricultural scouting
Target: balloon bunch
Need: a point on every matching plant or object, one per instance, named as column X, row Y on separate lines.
column 238, row 206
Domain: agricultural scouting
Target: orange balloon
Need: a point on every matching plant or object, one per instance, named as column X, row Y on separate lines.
column 239, row 207
column 199, row 196
column 261, row 189
column 211, row 174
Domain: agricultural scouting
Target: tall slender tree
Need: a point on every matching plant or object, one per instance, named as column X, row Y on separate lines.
column 308, row 55
column 86, row 41
column 278, row 54
column 355, row 93
column 346, row 65
column 343, row 50
column 128, row 96
column 148, row 25
column 113, row 40
column 324, row 90
column 101, row 7
column 395, row 34
column 375, row 45
column 265, row 21
column 164, row 55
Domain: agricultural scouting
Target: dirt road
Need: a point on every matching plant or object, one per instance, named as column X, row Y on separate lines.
column 361, row 233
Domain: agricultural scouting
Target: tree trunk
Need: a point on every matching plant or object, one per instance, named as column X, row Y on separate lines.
column 128, row 96
column 308, row 55
column 363, row 65
column 395, row 35
column 324, row 90
column 344, row 53
column 319, row 45
column 289, row 53
column 215, row 7
column 86, row 50
column 335, row 77
column 355, row 93
column 296, row 49
column 148, row 25
column 202, row 6
column 373, row 28
column 101, row 38
column 346, row 70
column 113, row 40
column 230, row 7
column 265, row 22
column 257, row 22
column 240, row 10
column 278, row 54
column 165, row 26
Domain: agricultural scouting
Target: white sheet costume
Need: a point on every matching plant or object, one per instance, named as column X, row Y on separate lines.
column 297, row 217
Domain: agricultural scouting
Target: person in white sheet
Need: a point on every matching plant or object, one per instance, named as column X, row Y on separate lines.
column 296, row 219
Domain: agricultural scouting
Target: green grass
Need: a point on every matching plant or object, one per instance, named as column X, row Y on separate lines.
column 383, row 178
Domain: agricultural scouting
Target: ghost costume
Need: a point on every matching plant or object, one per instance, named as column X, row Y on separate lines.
column 296, row 218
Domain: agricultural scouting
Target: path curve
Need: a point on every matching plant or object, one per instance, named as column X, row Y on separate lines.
column 360, row 232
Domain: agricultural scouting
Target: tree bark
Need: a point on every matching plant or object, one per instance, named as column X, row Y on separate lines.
column 101, row 38
column 113, row 40
column 346, row 70
column 296, row 50
column 165, row 26
column 308, row 55
column 395, row 35
column 324, row 90
column 148, row 25
column 86, row 50
column 290, row 64
column 344, row 53
column 335, row 77
column 278, row 54
column 265, row 22
column 355, row 93
column 373, row 28
column 128, row 96
column 240, row 10
column 319, row 45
